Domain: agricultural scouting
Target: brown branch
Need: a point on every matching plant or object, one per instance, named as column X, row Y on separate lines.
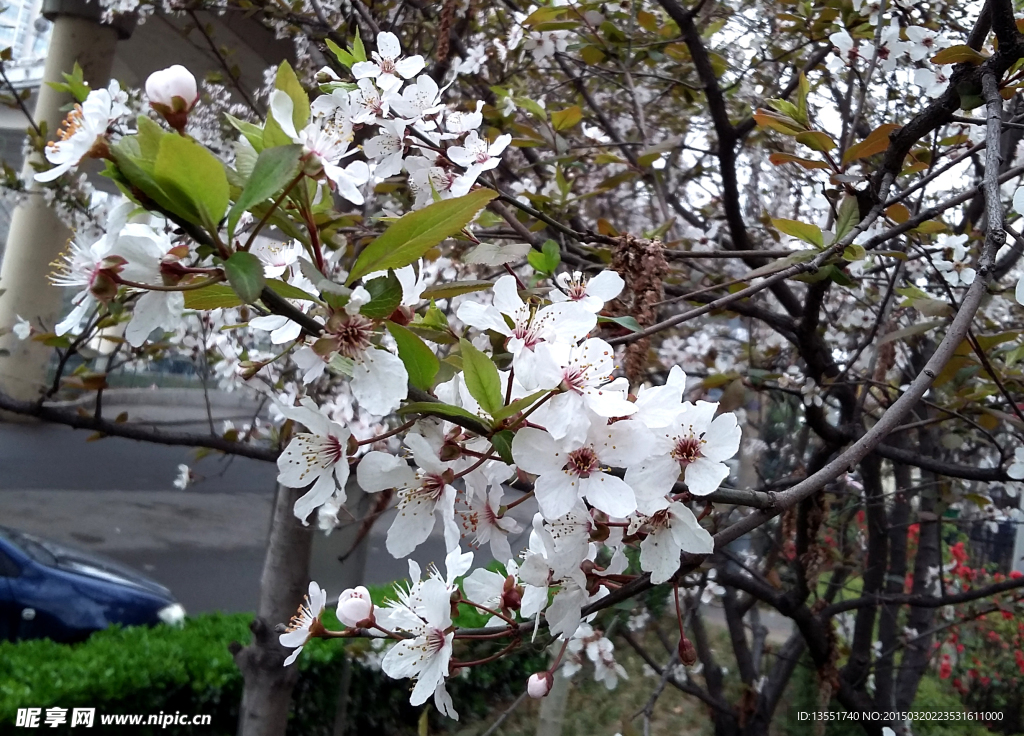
column 924, row 601
column 75, row 420
column 686, row 687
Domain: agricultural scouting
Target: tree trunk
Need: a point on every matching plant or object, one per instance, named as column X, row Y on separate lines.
column 918, row 652
column 889, row 619
column 859, row 663
column 268, row 683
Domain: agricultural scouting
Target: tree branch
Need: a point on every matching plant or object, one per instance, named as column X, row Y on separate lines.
column 73, row 419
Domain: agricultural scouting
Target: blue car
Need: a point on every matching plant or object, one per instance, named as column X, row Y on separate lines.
column 50, row 590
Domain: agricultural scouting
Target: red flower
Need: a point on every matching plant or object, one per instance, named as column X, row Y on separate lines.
column 958, row 552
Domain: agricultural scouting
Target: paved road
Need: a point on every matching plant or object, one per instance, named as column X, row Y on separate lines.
column 53, row 457
column 206, row 543
column 117, row 497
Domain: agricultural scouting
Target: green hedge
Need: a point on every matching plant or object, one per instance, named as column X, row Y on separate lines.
column 189, row 670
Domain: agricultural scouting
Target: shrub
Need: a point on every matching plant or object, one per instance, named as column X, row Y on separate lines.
column 984, row 662
column 189, row 670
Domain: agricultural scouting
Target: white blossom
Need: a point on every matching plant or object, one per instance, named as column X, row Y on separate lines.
column 696, row 444
column 304, row 624
column 84, row 126
column 354, row 606
column 319, row 456
column 955, row 271
column 591, row 294
column 672, row 530
column 388, row 67
column 583, row 374
column 425, row 657
column 566, row 323
column 420, row 494
column 476, row 155
column 566, row 473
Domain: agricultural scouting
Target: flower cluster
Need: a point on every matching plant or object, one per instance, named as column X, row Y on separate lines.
column 528, row 398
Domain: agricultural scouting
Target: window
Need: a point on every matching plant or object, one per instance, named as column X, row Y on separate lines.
column 33, row 547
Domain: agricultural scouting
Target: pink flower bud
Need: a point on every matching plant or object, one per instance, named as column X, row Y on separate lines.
column 355, row 607
column 539, row 684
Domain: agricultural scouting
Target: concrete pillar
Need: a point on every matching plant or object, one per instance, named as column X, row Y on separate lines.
column 37, row 235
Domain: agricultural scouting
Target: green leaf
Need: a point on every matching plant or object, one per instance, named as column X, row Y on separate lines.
column 545, row 260
column 517, row 406
column 628, row 322
column 454, row 288
column 544, row 15
column 816, row 140
column 150, row 134
column 193, row 179
column 876, row 142
column 252, row 133
column 136, row 159
column 502, row 442
column 136, row 171
column 414, row 234
column 245, row 163
column 787, row 108
column 531, row 106
column 287, row 82
column 782, row 263
column 782, row 123
column 959, row 55
column 849, row 215
column 358, row 50
column 930, row 227
column 436, row 408
column 217, row 296
column 854, row 252
column 245, row 274
column 283, row 288
column 420, row 362
column 275, row 169
column 914, row 329
column 74, row 83
column 385, row 296
column 800, row 230
column 787, row 158
column 344, row 58
column 481, row 376
column 803, row 89
column 567, row 118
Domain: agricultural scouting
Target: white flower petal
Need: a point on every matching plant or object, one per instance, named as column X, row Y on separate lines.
column 556, row 493
column 380, row 382
column 378, row 471
column 610, row 494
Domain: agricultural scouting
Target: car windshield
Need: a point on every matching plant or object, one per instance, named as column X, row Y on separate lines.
column 35, row 548
column 56, row 555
